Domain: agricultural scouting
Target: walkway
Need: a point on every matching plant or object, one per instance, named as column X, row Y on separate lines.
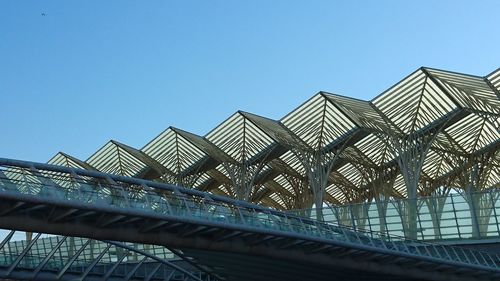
column 52, row 199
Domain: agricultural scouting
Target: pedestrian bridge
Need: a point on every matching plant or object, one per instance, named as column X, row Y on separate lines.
column 233, row 240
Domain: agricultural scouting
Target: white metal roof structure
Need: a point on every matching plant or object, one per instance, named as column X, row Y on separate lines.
column 432, row 132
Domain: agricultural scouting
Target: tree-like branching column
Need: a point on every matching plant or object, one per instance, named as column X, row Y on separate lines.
column 318, row 166
column 411, row 150
column 182, row 180
column 424, row 108
column 343, row 214
column 243, row 176
column 302, row 198
column 317, row 134
column 435, row 203
column 474, row 179
column 379, row 182
column 359, row 213
column 474, row 170
column 452, row 156
column 354, row 195
column 245, row 150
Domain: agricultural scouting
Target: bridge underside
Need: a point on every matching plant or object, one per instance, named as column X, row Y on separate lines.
column 257, row 268
column 98, row 274
column 238, row 254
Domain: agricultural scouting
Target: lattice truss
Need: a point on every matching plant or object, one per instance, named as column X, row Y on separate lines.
column 431, row 132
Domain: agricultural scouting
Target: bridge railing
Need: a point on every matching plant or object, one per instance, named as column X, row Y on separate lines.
column 84, row 188
column 68, row 247
column 62, row 256
column 456, row 216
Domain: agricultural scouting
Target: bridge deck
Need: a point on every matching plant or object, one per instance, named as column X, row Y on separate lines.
column 54, row 199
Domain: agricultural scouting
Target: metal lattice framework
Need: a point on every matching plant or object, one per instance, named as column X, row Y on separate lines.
column 74, row 258
column 432, row 132
column 227, row 237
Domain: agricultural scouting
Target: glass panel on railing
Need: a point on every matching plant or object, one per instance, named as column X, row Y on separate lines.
column 464, row 216
column 425, row 226
column 394, row 219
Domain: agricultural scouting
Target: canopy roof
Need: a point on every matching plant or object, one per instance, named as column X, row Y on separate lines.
column 460, row 113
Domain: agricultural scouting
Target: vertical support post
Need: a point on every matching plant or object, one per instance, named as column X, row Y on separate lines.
column 419, row 221
column 403, row 217
column 455, row 216
column 353, row 220
column 435, row 215
column 493, row 206
column 382, row 213
column 411, row 214
column 318, row 163
column 471, row 199
column 367, row 216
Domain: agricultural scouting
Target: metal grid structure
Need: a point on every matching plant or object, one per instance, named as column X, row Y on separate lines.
column 98, row 204
column 432, row 133
column 73, row 258
column 448, row 218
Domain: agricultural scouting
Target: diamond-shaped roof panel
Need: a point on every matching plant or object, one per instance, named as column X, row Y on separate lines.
column 114, row 159
column 174, row 151
column 471, row 92
column 318, row 122
column 240, row 138
column 63, row 159
column 414, row 103
column 359, row 111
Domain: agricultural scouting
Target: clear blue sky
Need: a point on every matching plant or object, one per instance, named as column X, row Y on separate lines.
column 90, row 71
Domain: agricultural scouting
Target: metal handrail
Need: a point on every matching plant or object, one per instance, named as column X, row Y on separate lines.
column 95, row 188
